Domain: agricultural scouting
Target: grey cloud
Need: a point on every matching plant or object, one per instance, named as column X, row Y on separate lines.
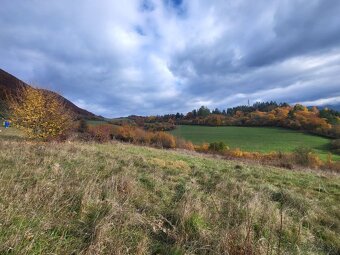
column 299, row 28
column 154, row 57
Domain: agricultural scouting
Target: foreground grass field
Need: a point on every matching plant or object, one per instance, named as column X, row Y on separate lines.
column 259, row 139
column 78, row 198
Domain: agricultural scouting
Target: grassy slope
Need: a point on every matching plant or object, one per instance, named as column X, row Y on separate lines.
column 256, row 139
column 124, row 199
column 96, row 122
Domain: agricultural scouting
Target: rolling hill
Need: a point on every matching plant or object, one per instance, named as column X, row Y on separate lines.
column 114, row 198
column 335, row 107
column 9, row 85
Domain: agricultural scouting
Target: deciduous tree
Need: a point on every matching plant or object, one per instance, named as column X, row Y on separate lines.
column 39, row 113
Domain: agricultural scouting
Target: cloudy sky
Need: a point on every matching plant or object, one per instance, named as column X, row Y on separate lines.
column 117, row 58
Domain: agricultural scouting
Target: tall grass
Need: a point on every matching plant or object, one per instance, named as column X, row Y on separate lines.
column 89, row 198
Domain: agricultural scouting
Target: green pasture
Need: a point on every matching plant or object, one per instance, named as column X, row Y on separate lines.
column 261, row 139
column 96, row 122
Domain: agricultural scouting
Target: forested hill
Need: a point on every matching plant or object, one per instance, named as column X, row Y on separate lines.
column 324, row 121
column 9, row 84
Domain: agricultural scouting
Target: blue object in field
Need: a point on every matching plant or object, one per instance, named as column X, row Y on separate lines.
column 6, row 124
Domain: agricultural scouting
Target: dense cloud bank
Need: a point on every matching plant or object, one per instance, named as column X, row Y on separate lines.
column 117, row 58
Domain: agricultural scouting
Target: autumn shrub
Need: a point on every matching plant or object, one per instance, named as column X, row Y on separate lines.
column 331, row 166
column 218, row 147
column 142, row 137
column 304, row 156
column 237, row 153
column 204, row 147
column 164, row 140
column 132, row 134
column 82, row 126
column 183, row 144
column 335, row 146
column 101, row 133
column 39, row 113
column 282, row 159
column 125, row 133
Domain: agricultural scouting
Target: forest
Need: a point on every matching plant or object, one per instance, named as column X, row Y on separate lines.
column 324, row 122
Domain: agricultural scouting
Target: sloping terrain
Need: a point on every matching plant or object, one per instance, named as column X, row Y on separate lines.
column 87, row 198
column 10, row 84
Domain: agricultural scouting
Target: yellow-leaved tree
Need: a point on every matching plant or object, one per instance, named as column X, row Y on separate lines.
column 39, row 113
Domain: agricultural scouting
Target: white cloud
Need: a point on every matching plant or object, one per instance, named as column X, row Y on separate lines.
column 117, row 58
column 323, row 101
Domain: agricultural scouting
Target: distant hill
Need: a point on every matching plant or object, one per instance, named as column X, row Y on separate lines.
column 335, row 107
column 9, row 85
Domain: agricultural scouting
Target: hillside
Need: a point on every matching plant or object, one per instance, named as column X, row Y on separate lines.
column 9, row 85
column 335, row 107
column 122, row 199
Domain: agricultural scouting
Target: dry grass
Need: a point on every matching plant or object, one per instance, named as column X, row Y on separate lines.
column 87, row 198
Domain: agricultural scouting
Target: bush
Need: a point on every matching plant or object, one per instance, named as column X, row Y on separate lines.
column 218, row 147
column 183, row 144
column 163, row 140
column 142, row 137
column 332, row 166
column 137, row 135
column 83, row 127
column 101, row 133
column 306, row 157
column 335, row 146
column 125, row 133
column 202, row 148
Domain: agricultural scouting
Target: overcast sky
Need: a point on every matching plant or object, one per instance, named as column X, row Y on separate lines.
column 122, row 57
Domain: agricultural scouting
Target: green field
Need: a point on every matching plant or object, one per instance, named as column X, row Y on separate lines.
column 261, row 139
column 96, row 122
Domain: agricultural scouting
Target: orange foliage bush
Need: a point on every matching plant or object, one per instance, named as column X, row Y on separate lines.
column 101, row 133
column 158, row 139
column 164, row 140
column 331, row 166
column 125, row 133
column 204, row 147
column 306, row 157
column 142, row 137
column 183, row 144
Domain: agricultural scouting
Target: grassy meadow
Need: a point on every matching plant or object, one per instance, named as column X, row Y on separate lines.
column 10, row 134
column 96, row 122
column 114, row 198
column 261, row 139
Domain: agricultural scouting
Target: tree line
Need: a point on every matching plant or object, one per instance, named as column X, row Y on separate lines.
column 324, row 122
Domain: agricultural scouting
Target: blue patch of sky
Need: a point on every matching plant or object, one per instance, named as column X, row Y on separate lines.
column 176, row 3
column 147, row 5
column 139, row 30
column 177, row 6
